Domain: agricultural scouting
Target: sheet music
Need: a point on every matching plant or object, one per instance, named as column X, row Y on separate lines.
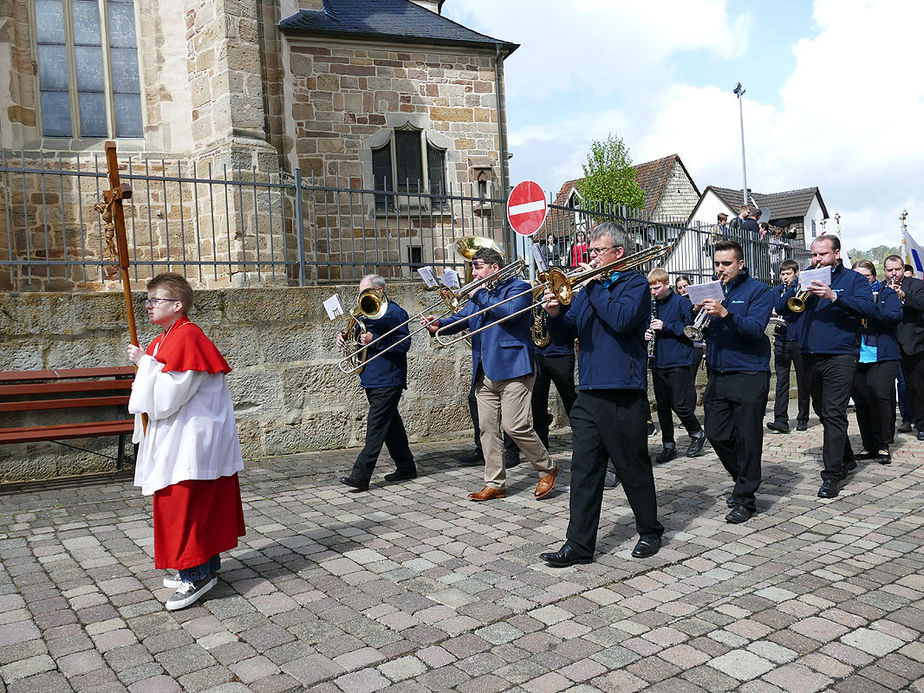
column 697, row 293
column 806, row 277
column 334, row 307
column 541, row 264
column 450, row 278
column 426, row 273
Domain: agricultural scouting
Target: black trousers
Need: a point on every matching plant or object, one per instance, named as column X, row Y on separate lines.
column 874, row 403
column 831, row 378
column 786, row 354
column 694, row 371
column 551, row 369
column 913, row 367
column 673, row 393
column 510, row 448
column 609, row 424
column 734, row 406
column 384, row 426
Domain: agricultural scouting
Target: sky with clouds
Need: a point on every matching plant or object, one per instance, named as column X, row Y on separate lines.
column 835, row 95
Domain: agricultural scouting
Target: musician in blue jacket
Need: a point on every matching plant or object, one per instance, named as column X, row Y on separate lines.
column 384, row 381
column 672, row 366
column 829, row 339
column 738, row 360
column 610, row 315
column 874, row 382
column 503, row 372
column 786, row 357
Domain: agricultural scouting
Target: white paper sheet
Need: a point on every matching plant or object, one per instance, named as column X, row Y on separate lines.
column 541, row 264
column 334, row 307
column 697, row 293
column 426, row 273
column 806, row 277
column 450, row 278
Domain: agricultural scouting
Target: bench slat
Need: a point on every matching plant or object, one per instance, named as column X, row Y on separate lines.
column 77, row 386
column 60, row 373
column 64, row 403
column 96, row 429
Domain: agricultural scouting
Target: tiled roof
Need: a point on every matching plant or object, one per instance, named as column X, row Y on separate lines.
column 782, row 205
column 387, row 20
column 651, row 177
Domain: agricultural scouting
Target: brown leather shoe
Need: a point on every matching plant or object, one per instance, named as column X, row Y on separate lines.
column 546, row 483
column 488, row 493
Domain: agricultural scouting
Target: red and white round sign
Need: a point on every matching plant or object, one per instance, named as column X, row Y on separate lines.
column 527, row 207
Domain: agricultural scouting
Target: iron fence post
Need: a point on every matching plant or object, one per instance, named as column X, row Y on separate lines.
column 299, row 228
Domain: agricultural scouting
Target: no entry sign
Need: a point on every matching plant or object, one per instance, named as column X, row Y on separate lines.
column 527, row 207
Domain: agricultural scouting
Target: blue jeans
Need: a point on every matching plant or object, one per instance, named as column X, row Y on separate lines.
column 200, row 571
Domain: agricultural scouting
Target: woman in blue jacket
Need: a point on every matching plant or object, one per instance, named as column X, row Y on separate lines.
column 874, row 382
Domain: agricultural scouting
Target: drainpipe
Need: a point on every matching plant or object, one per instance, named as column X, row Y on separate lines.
column 502, row 137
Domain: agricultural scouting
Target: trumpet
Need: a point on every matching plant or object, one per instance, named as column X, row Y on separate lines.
column 371, row 305
column 797, row 303
column 355, row 360
column 563, row 285
column 694, row 332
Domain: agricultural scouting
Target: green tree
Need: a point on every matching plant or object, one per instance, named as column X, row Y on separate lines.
column 609, row 176
column 875, row 255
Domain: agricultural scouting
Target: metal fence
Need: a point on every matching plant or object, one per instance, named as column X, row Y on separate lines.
column 222, row 226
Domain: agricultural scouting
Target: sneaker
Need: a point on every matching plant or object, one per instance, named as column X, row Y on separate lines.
column 697, row 441
column 189, row 592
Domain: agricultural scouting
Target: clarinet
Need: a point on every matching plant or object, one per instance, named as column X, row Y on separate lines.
column 654, row 316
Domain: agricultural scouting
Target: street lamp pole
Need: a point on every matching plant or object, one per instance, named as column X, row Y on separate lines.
column 739, row 92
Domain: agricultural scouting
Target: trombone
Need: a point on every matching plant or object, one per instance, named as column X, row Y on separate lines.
column 356, row 360
column 561, row 284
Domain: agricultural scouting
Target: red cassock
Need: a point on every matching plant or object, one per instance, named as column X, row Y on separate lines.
column 195, row 520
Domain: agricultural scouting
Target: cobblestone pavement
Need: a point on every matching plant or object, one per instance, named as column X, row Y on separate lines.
column 414, row 588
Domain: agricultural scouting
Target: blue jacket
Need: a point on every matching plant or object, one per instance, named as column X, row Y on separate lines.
column 790, row 333
column 738, row 343
column 881, row 330
column 561, row 339
column 389, row 370
column 504, row 351
column 833, row 328
column 672, row 348
column 610, row 322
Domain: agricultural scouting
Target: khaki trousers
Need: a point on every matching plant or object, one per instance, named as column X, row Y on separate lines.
column 505, row 404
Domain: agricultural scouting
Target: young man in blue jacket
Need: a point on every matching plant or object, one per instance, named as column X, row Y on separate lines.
column 672, row 366
column 384, row 381
column 910, row 334
column 829, row 339
column 738, row 359
column 503, row 372
column 786, row 356
column 610, row 315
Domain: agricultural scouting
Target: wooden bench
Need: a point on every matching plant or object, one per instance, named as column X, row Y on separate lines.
column 89, row 390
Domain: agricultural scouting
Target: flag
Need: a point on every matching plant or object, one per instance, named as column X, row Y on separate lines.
column 914, row 254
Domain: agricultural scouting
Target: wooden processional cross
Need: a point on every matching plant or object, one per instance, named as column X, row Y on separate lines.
column 110, row 207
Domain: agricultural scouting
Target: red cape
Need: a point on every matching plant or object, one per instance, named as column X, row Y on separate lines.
column 184, row 347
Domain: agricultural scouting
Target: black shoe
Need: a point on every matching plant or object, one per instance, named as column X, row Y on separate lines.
column 697, row 441
column 802, row 426
column 652, row 429
column 828, row 489
column 730, row 501
column 511, row 459
column 396, row 477
column 353, row 482
column 476, row 456
column 646, row 547
column 738, row 515
column 565, row 556
column 905, row 427
column 865, row 455
column 920, row 435
column 779, row 428
column 885, row 457
column 668, row 452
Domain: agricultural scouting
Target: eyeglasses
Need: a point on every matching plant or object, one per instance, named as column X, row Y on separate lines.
column 151, row 302
column 600, row 251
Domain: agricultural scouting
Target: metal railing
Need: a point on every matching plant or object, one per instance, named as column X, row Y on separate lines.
column 236, row 226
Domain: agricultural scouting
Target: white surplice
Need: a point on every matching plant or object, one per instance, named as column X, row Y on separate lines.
column 191, row 429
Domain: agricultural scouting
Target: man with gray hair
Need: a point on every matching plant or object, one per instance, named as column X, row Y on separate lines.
column 610, row 315
column 384, row 381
